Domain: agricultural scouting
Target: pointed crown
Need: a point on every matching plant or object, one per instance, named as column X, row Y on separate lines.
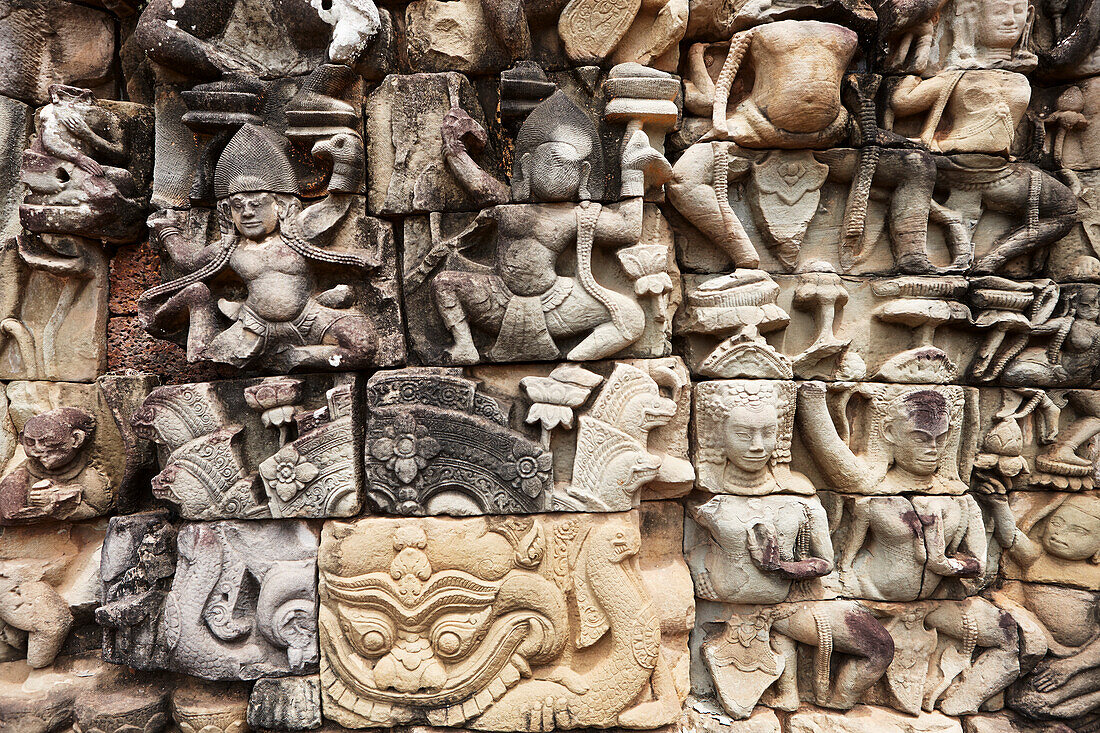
column 254, row 160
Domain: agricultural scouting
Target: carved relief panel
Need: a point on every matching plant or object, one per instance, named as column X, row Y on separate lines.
column 597, row 283
column 68, row 450
column 86, row 176
column 328, row 299
column 483, row 622
column 217, row 600
column 525, row 439
column 256, row 449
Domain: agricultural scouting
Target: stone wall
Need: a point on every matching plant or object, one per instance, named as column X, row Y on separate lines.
column 685, row 365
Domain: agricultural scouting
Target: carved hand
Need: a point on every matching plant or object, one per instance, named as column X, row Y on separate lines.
column 461, row 133
column 1054, row 674
column 763, row 547
column 639, row 155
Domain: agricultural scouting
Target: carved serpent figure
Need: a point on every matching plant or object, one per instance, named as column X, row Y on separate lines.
column 611, row 599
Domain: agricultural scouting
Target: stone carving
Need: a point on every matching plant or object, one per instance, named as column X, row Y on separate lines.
column 910, row 443
column 216, row 62
column 49, row 42
column 286, row 703
column 469, row 622
column 301, row 305
column 532, row 312
column 928, row 36
column 436, row 445
column 137, row 563
column 764, row 539
column 81, row 693
column 83, row 176
column 242, row 602
column 1053, row 538
column 566, row 439
column 68, row 450
column 405, row 122
column 276, row 447
column 215, row 708
column 47, row 576
column 971, row 111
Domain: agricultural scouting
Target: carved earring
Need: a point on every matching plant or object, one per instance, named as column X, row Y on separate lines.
column 582, row 188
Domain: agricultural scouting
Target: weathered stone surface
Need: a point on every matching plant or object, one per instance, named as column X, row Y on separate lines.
column 405, row 116
column 865, row 718
column 391, row 656
column 216, row 708
column 289, row 703
column 68, row 450
column 748, row 654
column 48, row 574
column 48, row 42
column 279, row 447
column 241, row 606
column 83, row 692
column 84, row 172
column 137, row 564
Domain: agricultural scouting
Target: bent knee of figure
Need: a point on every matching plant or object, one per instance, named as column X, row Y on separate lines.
column 871, row 639
column 452, row 289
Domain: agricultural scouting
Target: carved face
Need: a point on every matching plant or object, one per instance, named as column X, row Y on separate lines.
column 557, row 172
column 919, row 434
column 52, row 442
column 1001, row 22
column 1072, row 534
column 255, row 214
column 750, row 436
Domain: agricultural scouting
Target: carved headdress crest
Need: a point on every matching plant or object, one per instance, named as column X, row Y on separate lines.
column 557, row 119
column 254, row 160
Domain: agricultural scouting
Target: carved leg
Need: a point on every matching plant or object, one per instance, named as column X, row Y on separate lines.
column 913, row 176
column 699, row 191
column 1050, row 208
column 580, row 312
column 853, row 632
column 462, row 297
column 977, row 623
column 786, row 687
column 35, row 607
column 1084, row 429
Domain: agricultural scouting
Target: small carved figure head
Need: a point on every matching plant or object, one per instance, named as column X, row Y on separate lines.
column 54, row 440
column 751, row 428
column 255, row 214
column 1001, row 22
column 1073, row 530
column 743, row 425
column 255, row 183
column 991, row 30
column 557, row 154
column 916, row 429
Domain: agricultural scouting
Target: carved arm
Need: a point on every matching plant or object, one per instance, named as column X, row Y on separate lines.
column 460, row 132
column 844, row 469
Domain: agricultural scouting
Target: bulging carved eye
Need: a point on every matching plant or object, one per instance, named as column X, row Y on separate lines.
column 453, row 637
column 372, row 635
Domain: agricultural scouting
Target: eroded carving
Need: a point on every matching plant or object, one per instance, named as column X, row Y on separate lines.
column 242, row 602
